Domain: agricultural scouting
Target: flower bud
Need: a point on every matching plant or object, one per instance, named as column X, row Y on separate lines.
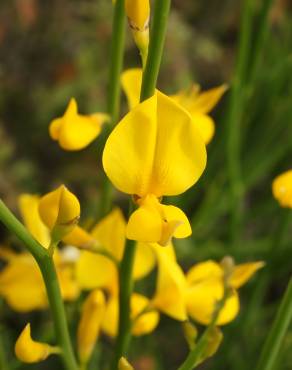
column 138, row 12
column 90, row 323
column 282, row 189
column 29, row 351
column 60, row 211
column 124, row 364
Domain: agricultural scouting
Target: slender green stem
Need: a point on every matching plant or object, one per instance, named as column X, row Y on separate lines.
column 3, row 360
column 273, row 342
column 126, row 288
column 46, row 265
column 236, row 107
column 157, row 38
column 194, row 356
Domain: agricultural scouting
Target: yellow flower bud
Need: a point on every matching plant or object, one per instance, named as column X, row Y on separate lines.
column 90, row 323
column 60, row 211
column 138, row 12
column 124, row 364
column 282, row 189
column 29, row 351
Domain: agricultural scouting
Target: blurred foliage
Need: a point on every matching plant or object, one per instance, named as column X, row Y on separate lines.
column 53, row 50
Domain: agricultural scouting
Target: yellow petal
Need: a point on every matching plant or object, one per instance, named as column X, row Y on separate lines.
column 144, row 261
column 170, row 288
column 131, row 80
column 153, row 222
column 155, row 149
column 138, row 13
column 28, row 205
column 124, row 364
column 21, row 284
column 111, row 316
column 95, row 271
column 208, row 270
column 113, row 242
column 148, row 321
column 80, row 238
column 69, row 286
column 207, row 100
column 205, row 125
column 202, row 298
column 90, row 324
column 282, row 189
column 242, row 273
column 60, row 210
column 29, row 351
column 74, row 131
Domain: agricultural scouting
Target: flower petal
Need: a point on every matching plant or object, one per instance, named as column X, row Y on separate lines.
column 207, row 100
column 282, row 189
column 148, row 321
column 131, row 80
column 205, row 125
column 144, row 260
column 242, row 273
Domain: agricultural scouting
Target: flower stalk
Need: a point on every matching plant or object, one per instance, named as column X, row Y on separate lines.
column 47, row 267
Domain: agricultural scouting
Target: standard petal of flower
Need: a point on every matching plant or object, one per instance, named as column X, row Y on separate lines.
column 207, row 100
column 29, row 351
column 131, row 80
column 155, row 149
column 148, row 321
column 243, row 272
column 201, row 301
column 144, row 261
column 208, row 270
column 28, row 205
column 170, row 292
column 95, row 271
column 205, row 125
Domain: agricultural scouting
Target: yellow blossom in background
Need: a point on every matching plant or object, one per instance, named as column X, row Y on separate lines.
column 282, row 189
column 124, row 364
column 29, row 351
column 197, row 103
column 59, row 211
column 90, row 324
column 74, row 131
column 154, row 151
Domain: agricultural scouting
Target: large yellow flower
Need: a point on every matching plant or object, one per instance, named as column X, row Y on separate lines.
column 282, row 189
column 198, row 104
column 154, row 151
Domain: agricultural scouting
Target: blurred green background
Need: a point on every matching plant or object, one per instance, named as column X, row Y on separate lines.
column 53, row 50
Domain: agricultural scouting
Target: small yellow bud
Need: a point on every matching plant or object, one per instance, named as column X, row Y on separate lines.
column 29, row 351
column 60, row 211
column 90, row 323
column 138, row 12
column 124, row 364
column 190, row 333
column 282, row 189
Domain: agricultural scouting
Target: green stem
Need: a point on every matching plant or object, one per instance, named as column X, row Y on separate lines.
column 236, row 108
column 273, row 342
column 114, row 91
column 3, row 360
column 47, row 267
column 194, row 356
column 157, row 38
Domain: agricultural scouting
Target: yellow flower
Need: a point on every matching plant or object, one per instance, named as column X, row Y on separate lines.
column 206, row 287
column 90, row 323
column 282, row 189
column 138, row 13
column 197, row 103
column 124, row 364
column 29, row 351
column 154, row 151
column 59, row 211
column 74, row 131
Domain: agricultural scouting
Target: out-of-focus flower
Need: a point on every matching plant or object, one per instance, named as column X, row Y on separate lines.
column 75, row 131
column 154, row 151
column 29, row 351
column 90, row 324
column 198, row 104
column 124, row 364
column 138, row 13
column 282, row 189
column 59, row 211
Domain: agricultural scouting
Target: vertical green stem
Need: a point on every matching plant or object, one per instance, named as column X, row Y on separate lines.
column 46, row 265
column 157, row 38
column 236, row 107
column 114, row 90
column 273, row 342
column 3, row 360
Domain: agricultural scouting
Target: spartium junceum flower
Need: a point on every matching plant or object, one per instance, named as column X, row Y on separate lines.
column 282, row 189
column 154, row 151
column 90, row 324
column 198, row 104
column 60, row 212
column 138, row 13
column 124, row 364
column 75, row 131
column 29, row 351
